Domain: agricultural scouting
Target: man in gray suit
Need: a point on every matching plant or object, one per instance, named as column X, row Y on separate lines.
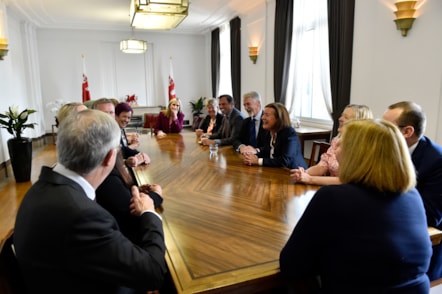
column 65, row 242
column 231, row 124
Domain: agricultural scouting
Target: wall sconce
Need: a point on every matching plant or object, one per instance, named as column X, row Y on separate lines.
column 253, row 53
column 158, row 14
column 3, row 47
column 404, row 16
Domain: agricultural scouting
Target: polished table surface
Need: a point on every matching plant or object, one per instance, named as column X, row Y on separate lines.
column 225, row 223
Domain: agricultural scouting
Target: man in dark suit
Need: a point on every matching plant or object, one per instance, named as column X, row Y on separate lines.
column 65, row 242
column 231, row 125
column 252, row 134
column 427, row 159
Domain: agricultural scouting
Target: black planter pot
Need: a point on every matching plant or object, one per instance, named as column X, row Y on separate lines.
column 20, row 152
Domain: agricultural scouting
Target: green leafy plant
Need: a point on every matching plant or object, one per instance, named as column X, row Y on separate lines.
column 15, row 122
column 197, row 106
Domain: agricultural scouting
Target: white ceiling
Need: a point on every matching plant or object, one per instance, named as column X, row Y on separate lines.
column 203, row 15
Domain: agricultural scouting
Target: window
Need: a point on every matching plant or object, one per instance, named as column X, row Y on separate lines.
column 225, row 76
column 309, row 93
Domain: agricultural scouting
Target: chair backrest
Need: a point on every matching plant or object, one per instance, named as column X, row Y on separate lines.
column 11, row 280
column 150, row 120
column 321, row 147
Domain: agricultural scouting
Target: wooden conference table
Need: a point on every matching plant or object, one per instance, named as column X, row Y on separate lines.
column 225, row 223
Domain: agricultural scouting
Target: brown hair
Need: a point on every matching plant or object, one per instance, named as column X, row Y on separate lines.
column 281, row 114
column 412, row 115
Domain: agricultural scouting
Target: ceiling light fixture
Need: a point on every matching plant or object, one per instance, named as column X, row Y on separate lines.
column 158, row 14
column 133, row 45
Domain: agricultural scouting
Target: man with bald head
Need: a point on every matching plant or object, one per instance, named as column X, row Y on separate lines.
column 427, row 159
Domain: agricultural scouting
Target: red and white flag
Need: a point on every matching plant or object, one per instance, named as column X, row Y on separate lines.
column 85, row 85
column 172, row 94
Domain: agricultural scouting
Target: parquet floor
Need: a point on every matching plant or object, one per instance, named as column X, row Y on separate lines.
column 11, row 193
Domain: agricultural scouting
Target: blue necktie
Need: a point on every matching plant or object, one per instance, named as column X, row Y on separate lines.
column 252, row 132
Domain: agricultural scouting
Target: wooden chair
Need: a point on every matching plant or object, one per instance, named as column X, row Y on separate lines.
column 322, row 148
column 150, row 120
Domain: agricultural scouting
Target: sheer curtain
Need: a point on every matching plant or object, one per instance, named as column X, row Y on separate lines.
column 308, row 92
column 225, row 80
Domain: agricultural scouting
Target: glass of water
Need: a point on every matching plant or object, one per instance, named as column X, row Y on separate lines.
column 213, row 148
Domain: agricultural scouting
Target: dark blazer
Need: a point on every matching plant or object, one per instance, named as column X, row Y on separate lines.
column 236, row 119
column 206, row 121
column 427, row 159
column 114, row 195
column 262, row 138
column 287, row 150
column 359, row 240
column 67, row 243
column 125, row 149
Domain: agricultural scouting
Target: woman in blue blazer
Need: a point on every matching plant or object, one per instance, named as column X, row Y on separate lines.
column 283, row 149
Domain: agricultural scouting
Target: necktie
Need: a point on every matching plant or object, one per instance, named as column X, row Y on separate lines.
column 123, row 138
column 252, row 133
column 226, row 127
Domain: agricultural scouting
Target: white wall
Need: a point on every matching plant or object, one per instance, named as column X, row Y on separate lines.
column 388, row 68
column 114, row 74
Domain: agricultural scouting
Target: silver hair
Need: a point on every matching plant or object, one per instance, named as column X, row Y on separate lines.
column 85, row 138
column 253, row 94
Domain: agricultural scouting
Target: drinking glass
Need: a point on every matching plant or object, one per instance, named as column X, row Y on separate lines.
column 213, row 148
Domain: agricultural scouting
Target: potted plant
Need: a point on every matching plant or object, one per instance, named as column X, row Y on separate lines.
column 20, row 148
column 197, row 110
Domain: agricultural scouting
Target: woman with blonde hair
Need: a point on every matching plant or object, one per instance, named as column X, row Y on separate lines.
column 67, row 109
column 369, row 234
column 326, row 171
column 170, row 120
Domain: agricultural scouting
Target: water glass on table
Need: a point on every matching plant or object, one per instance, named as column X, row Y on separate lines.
column 213, row 148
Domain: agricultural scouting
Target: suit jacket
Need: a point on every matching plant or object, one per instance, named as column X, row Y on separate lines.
column 236, row 119
column 427, row 159
column 287, row 150
column 67, row 243
column 125, row 149
column 206, row 122
column 262, row 138
column 359, row 240
column 114, row 195
column 162, row 123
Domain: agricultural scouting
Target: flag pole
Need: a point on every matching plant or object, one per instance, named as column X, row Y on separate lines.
column 172, row 93
column 86, row 95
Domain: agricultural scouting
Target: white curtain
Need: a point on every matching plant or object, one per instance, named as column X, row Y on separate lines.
column 225, row 77
column 309, row 76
